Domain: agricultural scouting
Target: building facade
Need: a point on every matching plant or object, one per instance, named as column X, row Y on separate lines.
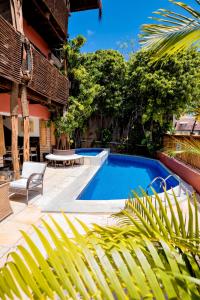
column 187, row 125
column 31, row 82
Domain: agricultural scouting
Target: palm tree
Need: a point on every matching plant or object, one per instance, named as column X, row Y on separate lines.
column 174, row 32
column 151, row 254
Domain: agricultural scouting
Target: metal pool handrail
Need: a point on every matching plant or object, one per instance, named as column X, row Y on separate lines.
column 178, row 179
column 160, row 178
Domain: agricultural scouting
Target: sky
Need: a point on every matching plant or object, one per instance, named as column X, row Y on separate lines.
column 120, row 24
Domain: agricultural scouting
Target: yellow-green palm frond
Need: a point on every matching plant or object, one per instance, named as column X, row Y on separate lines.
column 186, row 145
column 174, row 32
column 91, row 266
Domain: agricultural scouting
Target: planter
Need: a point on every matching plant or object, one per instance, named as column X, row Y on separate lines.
column 186, row 172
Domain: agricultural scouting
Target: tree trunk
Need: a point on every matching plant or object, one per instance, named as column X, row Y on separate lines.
column 14, row 128
column 26, row 153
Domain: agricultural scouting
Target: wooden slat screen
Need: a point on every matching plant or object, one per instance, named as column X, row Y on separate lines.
column 58, row 9
column 60, row 92
column 10, row 52
column 171, row 142
column 47, row 80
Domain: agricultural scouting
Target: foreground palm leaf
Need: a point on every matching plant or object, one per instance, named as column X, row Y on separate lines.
column 151, row 216
column 133, row 261
column 174, row 32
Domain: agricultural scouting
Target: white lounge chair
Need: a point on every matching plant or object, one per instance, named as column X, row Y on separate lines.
column 31, row 179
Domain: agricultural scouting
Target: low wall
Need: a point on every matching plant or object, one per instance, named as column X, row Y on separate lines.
column 186, row 172
column 97, row 160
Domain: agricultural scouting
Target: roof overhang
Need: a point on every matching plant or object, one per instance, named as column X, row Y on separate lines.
column 80, row 5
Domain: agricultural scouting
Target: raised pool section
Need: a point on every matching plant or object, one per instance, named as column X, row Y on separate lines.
column 119, row 174
column 89, row 151
column 93, row 156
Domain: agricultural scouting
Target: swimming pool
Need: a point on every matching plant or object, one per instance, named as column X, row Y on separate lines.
column 122, row 173
column 88, row 151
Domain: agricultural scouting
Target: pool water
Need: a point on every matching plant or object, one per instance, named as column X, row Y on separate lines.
column 121, row 174
column 88, row 152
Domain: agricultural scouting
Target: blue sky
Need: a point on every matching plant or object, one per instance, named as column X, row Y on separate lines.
column 120, row 24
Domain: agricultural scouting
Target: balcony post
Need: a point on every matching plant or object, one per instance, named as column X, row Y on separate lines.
column 25, row 114
column 14, row 128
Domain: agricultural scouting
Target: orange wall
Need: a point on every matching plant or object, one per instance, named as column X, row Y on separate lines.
column 186, row 172
column 35, row 38
column 35, row 110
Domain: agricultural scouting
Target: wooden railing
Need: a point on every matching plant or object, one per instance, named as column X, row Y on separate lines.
column 10, row 52
column 58, row 9
column 47, row 79
column 173, row 142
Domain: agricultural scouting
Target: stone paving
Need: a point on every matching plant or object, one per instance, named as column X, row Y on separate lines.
column 55, row 181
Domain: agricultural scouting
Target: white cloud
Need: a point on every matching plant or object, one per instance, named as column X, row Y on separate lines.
column 90, row 32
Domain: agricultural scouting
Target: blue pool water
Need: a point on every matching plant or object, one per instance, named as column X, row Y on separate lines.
column 121, row 174
column 88, row 152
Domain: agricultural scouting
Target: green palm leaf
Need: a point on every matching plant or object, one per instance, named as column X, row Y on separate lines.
column 171, row 224
column 174, row 32
column 141, row 259
column 188, row 146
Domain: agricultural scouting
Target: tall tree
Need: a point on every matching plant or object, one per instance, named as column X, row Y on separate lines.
column 157, row 91
column 81, row 95
column 108, row 70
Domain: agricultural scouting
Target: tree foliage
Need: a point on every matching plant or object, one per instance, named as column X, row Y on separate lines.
column 108, row 69
column 156, row 92
column 138, row 97
column 82, row 91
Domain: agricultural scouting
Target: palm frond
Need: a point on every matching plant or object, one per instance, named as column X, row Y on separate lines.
column 153, row 254
column 91, row 267
column 152, row 217
column 173, row 33
column 188, row 146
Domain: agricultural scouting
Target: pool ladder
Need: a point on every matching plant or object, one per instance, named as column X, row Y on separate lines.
column 164, row 184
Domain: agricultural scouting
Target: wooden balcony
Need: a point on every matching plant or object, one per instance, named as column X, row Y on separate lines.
column 49, row 18
column 46, row 80
column 78, row 5
column 10, row 52
column 59, row 12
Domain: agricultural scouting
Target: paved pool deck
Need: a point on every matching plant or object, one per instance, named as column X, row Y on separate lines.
column 61, row 187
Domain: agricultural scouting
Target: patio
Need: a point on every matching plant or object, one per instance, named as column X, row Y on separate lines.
column 55, row 181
